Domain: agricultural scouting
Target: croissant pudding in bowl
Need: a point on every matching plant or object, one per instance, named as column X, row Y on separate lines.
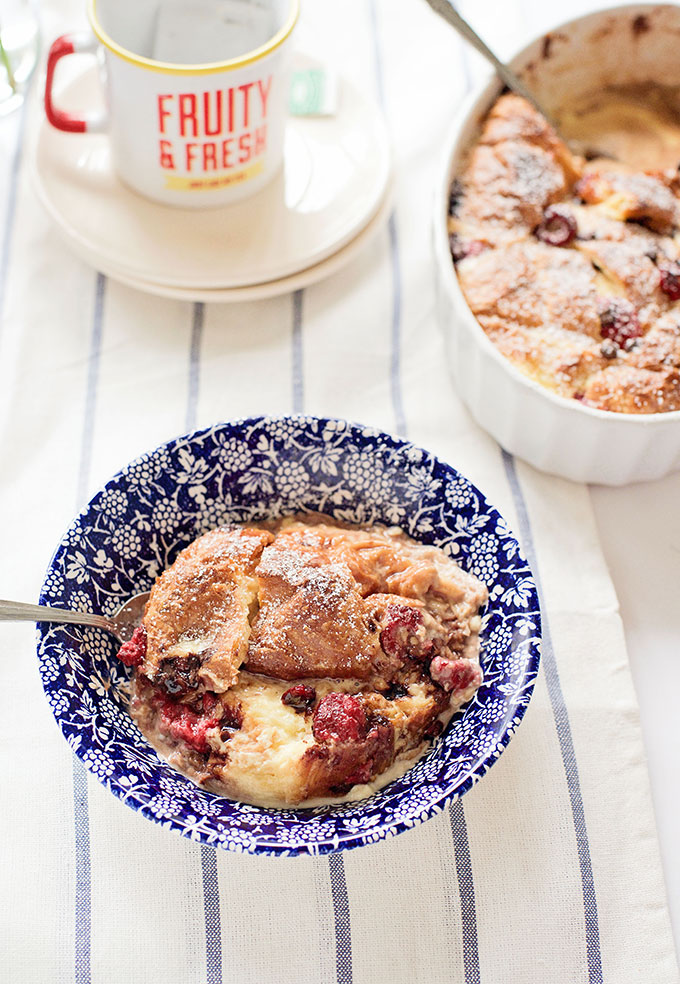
column 302, row 660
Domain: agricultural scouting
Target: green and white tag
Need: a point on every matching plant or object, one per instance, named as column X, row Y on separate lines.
column 313, row 92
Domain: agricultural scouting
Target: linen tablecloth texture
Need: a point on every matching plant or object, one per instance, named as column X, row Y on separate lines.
column 548, row 870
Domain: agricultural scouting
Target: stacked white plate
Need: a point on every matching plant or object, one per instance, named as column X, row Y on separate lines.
column 329, row 200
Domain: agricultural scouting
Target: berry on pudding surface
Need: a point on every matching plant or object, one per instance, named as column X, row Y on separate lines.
column 301, row 660
column 571, row 266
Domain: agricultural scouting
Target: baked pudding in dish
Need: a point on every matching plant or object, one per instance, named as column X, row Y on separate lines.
column 571, row 266
column 301, row 661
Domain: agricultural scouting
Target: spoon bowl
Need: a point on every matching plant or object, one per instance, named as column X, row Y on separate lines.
column 121, row 624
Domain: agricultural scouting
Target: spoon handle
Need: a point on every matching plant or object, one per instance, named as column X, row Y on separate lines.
column 452, row 17
column 15, row 611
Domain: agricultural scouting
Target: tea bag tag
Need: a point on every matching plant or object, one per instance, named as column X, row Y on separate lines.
column 313, row 92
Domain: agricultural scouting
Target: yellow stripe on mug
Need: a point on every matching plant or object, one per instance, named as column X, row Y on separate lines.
column 177, row 183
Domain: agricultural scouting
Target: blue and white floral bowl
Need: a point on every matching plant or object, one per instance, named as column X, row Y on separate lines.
column 265, row 467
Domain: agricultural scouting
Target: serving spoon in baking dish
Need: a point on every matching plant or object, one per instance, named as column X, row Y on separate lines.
column 121, row 624
column 513, row 81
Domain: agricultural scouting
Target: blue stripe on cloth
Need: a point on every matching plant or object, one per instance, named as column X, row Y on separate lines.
column 466, row 892
column 210, row 879
column 461, row 846
column 377, row 56
column 81, row 810
column 565, row 738
column 90, row 408
column 11, row 210
column 194, row 364
column 395, row 340
column 211, row 908
column 83, row 907
column 341, row 915
column 297, row 355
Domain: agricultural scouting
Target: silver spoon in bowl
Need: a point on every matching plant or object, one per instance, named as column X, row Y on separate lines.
column 121, row 624
column 452, row 17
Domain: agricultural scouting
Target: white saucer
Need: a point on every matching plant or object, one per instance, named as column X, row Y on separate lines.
column 332, row 186
column 271, row 288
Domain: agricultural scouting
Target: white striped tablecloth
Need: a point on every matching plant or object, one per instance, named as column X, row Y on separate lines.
column 548, row 870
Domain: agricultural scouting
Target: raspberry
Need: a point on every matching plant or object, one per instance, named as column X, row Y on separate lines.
column 619, row 321
column 300, row 697
column 398, row 638
column 455, row 674
column 183, row 724
column 669, row 280
column 133, row 651
column 558, row 227
column 460, row 248
column 340, row 717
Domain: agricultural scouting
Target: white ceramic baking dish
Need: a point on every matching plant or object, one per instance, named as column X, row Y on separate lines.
column 614, row 46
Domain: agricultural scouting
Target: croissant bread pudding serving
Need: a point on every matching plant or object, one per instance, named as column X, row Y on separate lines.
column 571, row 266
column 300, row 661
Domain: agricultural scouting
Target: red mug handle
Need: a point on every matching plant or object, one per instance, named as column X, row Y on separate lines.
column 69, row 44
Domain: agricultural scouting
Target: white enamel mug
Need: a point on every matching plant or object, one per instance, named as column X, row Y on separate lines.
column 199, row 134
